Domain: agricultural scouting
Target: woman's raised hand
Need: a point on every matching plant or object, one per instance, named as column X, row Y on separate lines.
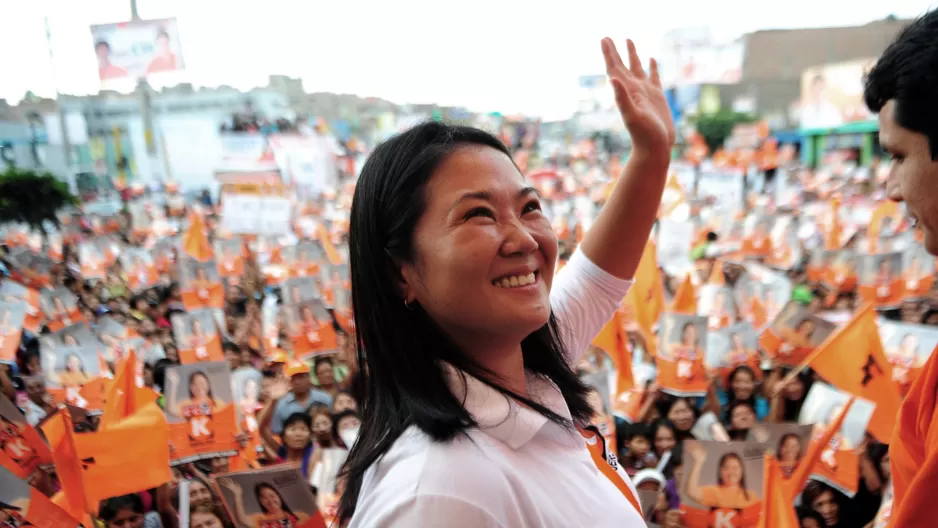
column 640, row 100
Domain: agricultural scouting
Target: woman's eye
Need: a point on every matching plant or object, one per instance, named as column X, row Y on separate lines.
column 479, row 212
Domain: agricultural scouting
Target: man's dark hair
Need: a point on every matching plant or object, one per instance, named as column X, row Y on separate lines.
column 102, row 43
column 908, row 73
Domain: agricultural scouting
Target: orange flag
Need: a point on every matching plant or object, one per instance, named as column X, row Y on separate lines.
column 685, row 299
column 131, row 456
column 852, row 359
column 641, row 312
column 757, row 313
column 613, row 341
column 717, row 278
column 833, row 230
column 68, row 465
column 322, row 234
column 777, row 510
column 123, row 397
column 647, row 283
column 194, row 241
column 805, row 467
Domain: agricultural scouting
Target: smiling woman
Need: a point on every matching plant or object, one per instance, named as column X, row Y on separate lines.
column 467, row 340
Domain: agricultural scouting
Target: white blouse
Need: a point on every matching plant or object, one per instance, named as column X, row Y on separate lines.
column 516, row 469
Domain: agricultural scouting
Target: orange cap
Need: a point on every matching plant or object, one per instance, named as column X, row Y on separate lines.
column 279, row 356
column 295, row 368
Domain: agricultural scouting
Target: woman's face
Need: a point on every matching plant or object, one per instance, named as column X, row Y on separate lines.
column 70, row 340
column 743, row 418
column 664, row 440
column 344, row 402
column 484, row 252
column 790, row 450
column 885, row 467
column 199, row 387
column 743, row 385
column 204, row 520
column 199, row 494
column 322, row 425
column 270, row 500
column 348, row 422
column 731, row 472
column 794, row 390
column 74, row 364
column 689, row 335
column 681, row 415
column 296, row 435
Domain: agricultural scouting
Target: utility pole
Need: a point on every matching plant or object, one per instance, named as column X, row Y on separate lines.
column 146, row 104
column 63, row 123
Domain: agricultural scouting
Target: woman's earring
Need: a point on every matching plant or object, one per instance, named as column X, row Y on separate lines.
column 409, row 305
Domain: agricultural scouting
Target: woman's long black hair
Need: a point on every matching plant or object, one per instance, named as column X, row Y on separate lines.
column 400, row 351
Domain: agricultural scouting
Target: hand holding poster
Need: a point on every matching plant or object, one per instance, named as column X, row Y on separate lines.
column 681, row 369
column 721, row 484
column 277, row 497
column 200, row 411
column 839, row 464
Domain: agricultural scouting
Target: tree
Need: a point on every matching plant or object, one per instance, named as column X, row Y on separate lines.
column 32, row 198
column 715, row 128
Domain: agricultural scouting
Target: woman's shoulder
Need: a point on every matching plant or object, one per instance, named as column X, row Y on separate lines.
column 417, row 472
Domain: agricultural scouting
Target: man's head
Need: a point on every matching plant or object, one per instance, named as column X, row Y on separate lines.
column 901, row 88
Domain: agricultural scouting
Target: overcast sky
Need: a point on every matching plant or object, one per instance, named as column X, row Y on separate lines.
column 505, row 55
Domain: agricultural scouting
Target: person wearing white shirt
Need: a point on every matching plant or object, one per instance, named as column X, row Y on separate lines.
column 472, row 407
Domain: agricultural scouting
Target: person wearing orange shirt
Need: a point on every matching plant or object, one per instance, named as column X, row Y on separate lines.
column 797, row 338
column 730, row 491
column 883, row 281
column 106, row 70
column 904, row 359
column 164, row 60
column 309, row 325
column 275, row 512
column 687, row 352
column 198, row 341
column 74, row 374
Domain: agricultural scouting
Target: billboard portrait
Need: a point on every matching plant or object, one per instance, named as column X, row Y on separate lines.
column 832, row 94
column 137, row 49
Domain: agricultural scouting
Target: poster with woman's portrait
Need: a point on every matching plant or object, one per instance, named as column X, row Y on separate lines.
column 271, row 323
column 788, row 442
column 164, row 253
column 12, row 316
column 311, row 331
column 229, row 253
column 246, row 388
column 768, row 289
column 139, row 268
column 839, row 464
column 23, row 505
column 23, row 449
column 918, row 272
column 721, row 484
column 200, row 410
column 839, row 273
column 93, row 261
column 31, row 269
column 881, row 281
column 297, row 290
column 907, row 347
column 14, row 292
column 681, row 353
column 269, row 498
column 196, row 336
column 757, row 242
column 786, row 248
column 732, row 347
column 717, row 305
column 201, row 285
column 78, row 334
column 115, row 337
column 75, row 365
column 794, row 334
column 60, row 307
column 310, row 255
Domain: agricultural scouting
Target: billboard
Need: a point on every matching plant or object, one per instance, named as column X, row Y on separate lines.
column 693, row 56
column 832, row 94
column 137, row 49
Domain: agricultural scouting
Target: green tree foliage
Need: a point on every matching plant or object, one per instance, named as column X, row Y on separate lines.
column 715, row 128
column 32, row 197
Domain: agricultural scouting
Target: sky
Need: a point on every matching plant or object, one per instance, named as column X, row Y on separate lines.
column 511, row 56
